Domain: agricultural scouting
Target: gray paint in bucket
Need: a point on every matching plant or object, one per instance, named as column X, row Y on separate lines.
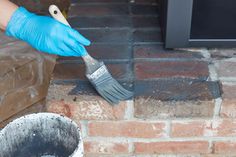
column 41, row 135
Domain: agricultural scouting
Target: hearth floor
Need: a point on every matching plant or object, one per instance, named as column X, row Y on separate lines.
column 126, row 35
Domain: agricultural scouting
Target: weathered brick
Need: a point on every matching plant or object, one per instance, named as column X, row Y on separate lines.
column 229, row 92
column 108, row 35
column 149, row 108
column 98, row 10
column 178, row 147
column 70, row 71
column 106, row 52
column 226, row 69
column 228, row 109
column 105, row 147
column 221, row 128
column 100, row 22
column 82, row 106
column 140, row 9
column 134, row 129
column 228, row 106
column 157, row 51
column 187, row 128
column 147, row 36
column 225, row 147
column 171, row 69
column 145, row 22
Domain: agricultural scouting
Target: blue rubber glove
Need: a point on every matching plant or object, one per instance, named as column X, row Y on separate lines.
column 46, row 34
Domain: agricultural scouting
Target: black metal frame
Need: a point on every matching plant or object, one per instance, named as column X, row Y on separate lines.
column 181, row 11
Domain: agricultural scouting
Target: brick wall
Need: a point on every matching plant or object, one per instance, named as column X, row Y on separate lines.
column 148, row 127
column 178, row 109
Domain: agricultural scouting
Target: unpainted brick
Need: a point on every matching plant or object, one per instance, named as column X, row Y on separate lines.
column 178, row 147
column 133, row 129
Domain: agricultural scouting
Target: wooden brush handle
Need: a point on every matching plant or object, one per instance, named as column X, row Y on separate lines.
column 57, row 15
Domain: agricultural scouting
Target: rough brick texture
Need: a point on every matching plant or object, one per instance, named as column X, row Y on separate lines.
column 134, row 129
column 184, row 103
column 172, row 147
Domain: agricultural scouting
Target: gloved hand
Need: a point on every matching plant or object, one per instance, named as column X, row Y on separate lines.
column 46, row 34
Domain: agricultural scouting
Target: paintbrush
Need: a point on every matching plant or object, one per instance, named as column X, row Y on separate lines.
column 96, row 71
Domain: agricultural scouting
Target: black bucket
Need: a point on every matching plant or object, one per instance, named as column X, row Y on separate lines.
column 41, row 135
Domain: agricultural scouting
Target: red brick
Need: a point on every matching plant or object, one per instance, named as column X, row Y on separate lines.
column 134, row 129
column 221, row 128
column 179, row 147
column 228, row 109
column 187, row 69
column 105, row 147
column 87, row 109
column 229, row 92
column 225, row 147
column 187, row 129
column 226, row 69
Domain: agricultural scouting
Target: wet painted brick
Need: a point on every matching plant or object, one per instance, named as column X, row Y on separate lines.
column 133, row 129
column 180, row 147
column 141, row 9
column 145, row 22
column 146, row 51
column 105, row 147
column 171, row 69
column 106, row 52
column 187, row 128
column 98, row 10
column 225, row 147
column 100, row 22
column 74, row 71
column 177, row 90
column 108, row 35
column 228, row 107
column 147, row 36
column 226, row 69
column 82, row 106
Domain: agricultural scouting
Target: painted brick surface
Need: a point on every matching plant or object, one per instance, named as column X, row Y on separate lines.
column 181, row 107
column 77, row 71
column 106, row 52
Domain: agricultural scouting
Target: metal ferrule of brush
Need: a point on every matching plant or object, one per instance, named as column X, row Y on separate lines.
column 99, row 76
